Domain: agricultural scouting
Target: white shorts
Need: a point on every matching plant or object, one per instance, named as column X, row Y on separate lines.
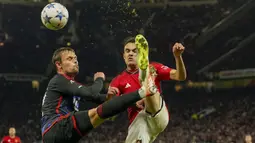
column 146, row 128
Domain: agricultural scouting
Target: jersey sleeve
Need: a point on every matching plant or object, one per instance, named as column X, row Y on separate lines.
column 89, row 93
column 163, row 72
column 115, row 83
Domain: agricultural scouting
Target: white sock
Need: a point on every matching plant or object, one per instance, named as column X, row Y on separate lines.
column 152, row 87
column 142, row 92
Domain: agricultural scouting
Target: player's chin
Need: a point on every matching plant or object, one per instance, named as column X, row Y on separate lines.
column 132, row 63
column 75, row 71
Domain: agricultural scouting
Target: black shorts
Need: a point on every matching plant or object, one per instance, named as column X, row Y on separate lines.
column 68, row 129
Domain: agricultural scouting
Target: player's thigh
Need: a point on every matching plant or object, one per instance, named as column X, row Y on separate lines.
column 82, row 122
column 145, row 128
column 62, row 132
column 159, row 121
column 138, row 130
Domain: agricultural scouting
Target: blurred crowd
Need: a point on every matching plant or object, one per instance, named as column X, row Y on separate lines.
column 232, row 121
column 20, row 109
column 100, row 30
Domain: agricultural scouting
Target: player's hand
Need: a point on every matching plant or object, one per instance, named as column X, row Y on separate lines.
column 140, row 104
column 112, row 91
column 99, row 74
column 178, row 49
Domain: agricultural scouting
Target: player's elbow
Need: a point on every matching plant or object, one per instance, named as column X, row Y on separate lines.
column 182, row 78
column 179, row 78
column 95, row 91
column 177, row 75
column 109, row 96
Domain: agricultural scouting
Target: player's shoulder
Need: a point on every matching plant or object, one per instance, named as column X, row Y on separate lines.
column 57, row 78
column 158, row 65
column 155, row 64
column 6, row 137
column 120, row 75
column 56, row 81
column 18, row 138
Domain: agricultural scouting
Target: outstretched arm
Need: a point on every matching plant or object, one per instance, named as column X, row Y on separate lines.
column 179, row 73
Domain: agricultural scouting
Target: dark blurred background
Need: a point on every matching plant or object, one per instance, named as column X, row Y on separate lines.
column 214, row 105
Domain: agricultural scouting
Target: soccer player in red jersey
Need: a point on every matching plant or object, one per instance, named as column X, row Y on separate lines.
column 150, row 116
column 12, row 138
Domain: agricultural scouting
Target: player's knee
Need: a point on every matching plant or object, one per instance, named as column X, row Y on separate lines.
column 95, row 118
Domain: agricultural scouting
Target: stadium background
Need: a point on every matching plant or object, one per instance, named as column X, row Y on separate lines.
column 215, row 103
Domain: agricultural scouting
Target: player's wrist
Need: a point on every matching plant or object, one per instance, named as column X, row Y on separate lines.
column 178, row 56
column 108, row 97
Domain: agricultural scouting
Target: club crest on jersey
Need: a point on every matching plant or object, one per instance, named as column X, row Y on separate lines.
column 164, row 67
column 153, row 71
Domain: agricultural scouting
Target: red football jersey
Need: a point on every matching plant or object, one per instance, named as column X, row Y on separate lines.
column 127, row 82
column 8, row 139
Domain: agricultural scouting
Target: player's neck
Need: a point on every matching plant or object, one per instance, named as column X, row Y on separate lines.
column 12, row 136
column 132, row 69
column 68, row 76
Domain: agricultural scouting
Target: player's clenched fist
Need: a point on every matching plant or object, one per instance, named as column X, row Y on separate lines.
column 140, row 104
column 99, row 74
column 112, row 91
column 178, row 49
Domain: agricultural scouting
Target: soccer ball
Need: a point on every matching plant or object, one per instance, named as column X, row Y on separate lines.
column 54, row 16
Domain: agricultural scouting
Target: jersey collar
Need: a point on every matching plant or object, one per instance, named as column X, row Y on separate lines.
column 132, row 71
column 67, row 76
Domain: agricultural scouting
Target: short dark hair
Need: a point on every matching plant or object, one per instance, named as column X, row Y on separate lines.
column 128, row 40
column 57, row 54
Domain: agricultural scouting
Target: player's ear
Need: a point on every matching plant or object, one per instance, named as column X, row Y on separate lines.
column 58, row 64
column 123, row 55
